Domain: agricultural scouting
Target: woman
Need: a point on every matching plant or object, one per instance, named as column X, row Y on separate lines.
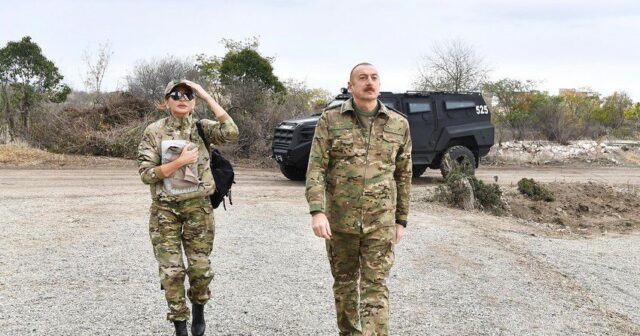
column 174, row 162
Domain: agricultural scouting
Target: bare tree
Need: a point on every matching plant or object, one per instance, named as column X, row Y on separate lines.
column 149, row 78
column 452, row 66
column 96, row 68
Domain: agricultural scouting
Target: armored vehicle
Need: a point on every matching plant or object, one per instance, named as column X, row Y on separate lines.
column 444, row 125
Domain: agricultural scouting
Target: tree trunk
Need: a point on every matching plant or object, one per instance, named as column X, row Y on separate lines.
column 8, row 115
column 26, row 109
column 468, row 198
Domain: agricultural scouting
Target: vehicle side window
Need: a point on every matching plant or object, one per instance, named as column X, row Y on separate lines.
column 419, row 107
column 390, row 102
column 457, row 105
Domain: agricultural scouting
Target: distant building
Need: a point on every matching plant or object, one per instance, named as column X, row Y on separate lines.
column 585, row 92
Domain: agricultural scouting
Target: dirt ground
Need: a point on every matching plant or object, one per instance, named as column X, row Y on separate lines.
column 582, row 208
column 76, row 257
column 76, row 260
column 589, row 200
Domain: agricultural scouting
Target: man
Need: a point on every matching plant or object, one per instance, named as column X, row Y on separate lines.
column 358, row 184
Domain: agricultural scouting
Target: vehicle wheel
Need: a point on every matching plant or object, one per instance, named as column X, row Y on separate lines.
column 457, row 157
column 293, row 173
column 418, row 170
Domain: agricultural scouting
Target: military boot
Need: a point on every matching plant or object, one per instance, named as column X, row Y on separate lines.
column 197, row 322
column 181, row 328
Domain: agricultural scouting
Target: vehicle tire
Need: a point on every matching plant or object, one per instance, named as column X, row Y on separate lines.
column 458, row 156
column 418, row 170
column 293, row 173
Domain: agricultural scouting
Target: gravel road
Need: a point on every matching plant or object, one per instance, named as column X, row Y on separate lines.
column 76, row 260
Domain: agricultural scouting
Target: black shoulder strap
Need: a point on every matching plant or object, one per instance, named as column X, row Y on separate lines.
column 201, row 133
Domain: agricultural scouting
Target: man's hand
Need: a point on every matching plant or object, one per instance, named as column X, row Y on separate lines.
column 320, row 225
column 189, row 155
column 399, row 232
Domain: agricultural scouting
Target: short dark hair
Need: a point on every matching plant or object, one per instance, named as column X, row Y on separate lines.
column 357, row 65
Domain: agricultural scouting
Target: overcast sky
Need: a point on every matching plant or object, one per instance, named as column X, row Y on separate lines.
column 561, row 44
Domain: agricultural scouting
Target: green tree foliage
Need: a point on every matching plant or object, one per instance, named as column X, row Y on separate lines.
column 547, row 114
column 311, row 99
column 578, row 108
column 244, row 84
column 611, row 113
column 512, row 109
column 244, row 63
column 565, row 117
column 632, row 113
column 27, row 78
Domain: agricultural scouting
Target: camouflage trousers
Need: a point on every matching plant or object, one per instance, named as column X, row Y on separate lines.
column 174, row 226
column 360, row 264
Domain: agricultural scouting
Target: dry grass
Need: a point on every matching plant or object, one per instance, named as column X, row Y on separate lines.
column 632, row 157
column 21, row 155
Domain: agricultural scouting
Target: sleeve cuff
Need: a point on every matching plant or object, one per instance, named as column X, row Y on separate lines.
column 401, row 222
column 158, row 173
column 223, row 118
column 315, row 208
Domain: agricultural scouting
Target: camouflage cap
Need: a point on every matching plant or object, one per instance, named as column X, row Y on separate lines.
column 172, row 84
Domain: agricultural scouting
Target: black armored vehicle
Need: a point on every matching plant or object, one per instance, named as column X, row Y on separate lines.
column 443, row 125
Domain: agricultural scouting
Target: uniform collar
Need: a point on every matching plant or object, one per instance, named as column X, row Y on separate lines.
column 180, row 123
column 348, row 106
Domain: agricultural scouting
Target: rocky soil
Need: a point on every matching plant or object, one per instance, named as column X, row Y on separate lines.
column 76, row 260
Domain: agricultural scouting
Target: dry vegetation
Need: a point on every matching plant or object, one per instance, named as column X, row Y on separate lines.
column 23, row 156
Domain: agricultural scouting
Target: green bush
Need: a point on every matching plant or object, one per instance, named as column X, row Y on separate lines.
column 487, row 196
column 535, row 191
column 451, row 192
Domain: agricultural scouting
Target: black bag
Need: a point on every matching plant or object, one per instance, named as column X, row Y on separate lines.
column 222, row 171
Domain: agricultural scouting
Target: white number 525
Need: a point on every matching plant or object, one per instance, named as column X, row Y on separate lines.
column 482, row 109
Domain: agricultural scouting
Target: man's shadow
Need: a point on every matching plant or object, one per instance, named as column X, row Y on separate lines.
column 427, row 180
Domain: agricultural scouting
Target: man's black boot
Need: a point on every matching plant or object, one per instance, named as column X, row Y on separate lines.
column 181, row 328
column 197, row 322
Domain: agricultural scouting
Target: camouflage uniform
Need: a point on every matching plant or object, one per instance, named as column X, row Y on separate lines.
column 183, row 220
column 363, row 188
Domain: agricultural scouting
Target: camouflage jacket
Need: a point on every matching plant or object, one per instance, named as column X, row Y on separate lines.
column 360, row 186
column 172, row 128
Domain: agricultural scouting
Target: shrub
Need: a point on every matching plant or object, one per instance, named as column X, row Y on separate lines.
column 487, row 196
column 452, row 191
column 535, row 191
column 112, row 127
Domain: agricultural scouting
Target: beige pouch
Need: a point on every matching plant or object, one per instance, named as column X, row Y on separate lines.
column 183, row 180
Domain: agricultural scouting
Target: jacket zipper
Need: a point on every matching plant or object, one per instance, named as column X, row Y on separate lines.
column 364, row 178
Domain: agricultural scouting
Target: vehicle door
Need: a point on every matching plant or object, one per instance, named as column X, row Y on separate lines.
column 422, row 122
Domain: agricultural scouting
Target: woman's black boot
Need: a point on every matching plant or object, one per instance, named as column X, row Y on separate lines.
column 181, row 328
column 197, row 322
